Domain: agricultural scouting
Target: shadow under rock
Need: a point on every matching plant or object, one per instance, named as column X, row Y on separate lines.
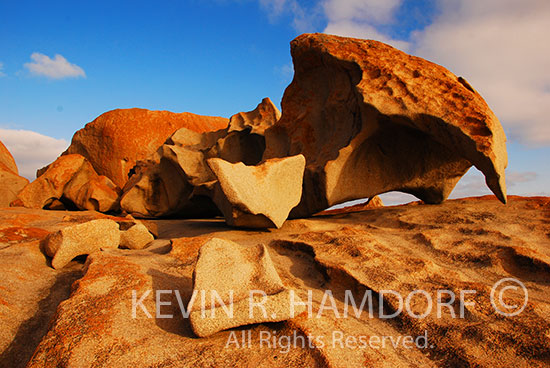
column 172, row 285
column 31, row 332
column 185, row 228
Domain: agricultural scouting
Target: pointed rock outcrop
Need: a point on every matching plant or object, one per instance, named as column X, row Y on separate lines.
column 11, row 183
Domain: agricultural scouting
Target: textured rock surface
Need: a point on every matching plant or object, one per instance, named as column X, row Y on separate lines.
column 176, row 180
column 81, row 239
column 109, row 336
column 258, row 120
column 137, row 236
column 244, row 278
column 115, row 140
column 10, row 181
column 458, row 245
column 30, row 290
column 371, row 119
column 70, row 182
column 258, row 196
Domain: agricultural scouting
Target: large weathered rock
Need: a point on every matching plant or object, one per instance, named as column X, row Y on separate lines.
column 70, row 181
column 246, row 282
column 176, row 180
column 10, row 181
column 81, row 239
column 258, row 196
column 117, row 139
column 371, row 119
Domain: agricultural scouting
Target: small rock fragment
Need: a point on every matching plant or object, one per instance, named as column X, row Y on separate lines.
column 136, row 237
column 86, row 238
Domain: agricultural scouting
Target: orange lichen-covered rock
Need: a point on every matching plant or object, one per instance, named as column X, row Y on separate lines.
column 6, row 159
column 115, row 140
column 10, row 181
column 71, row 181
column 371, row 119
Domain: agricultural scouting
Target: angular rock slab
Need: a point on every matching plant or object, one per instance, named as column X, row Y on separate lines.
column 371, row 119
column 258, row 196
column 81, row 239
column 233, row 271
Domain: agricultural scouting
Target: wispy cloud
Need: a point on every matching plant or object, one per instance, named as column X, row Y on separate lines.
column 56, row 68
column 285, row 72
column 513, row 178
column 31, row 150
column 2, row 74
column 361, row 18
column 304, row 17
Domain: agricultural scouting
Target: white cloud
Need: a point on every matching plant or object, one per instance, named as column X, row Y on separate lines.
column 56, row 68
column 2, row 74
column 31, row 150
column 501, row 47
column 375, row 11
column 359, row 18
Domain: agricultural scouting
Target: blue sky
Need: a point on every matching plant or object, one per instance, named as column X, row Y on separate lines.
column 219, row 57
